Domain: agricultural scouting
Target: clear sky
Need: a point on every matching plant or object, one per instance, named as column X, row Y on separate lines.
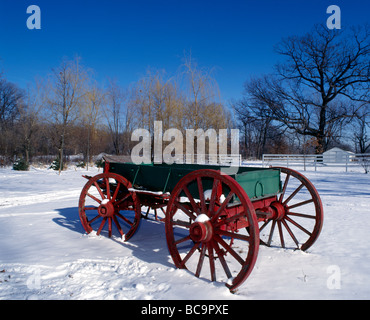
column 121, row 39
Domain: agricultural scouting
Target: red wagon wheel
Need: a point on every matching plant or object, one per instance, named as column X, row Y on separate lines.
column 300, row 214
column 106, row 200
column 201, row 228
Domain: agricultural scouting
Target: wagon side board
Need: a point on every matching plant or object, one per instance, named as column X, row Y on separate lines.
column 257, row 182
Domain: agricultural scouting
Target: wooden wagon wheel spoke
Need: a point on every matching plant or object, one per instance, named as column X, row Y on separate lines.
column 94, row 198
column 290, row 233
column 211, row 261
column 298, row 226
column 108, row 188
column 299, row 200
column 222, row 207
column 212, row 229
column 99, row 190
column 302, row 215
column 294, row 193
column 233, row 235
column 110, row 227
column 214, row 196
column 220, row 255
column 118, row 206
column 181, row 223
column 187, row 238
column 118, row 225
column 229, row 249
column 126, row 197
column 190, row 253
column 191, row 199
column 185, row 210
column 281, row 235
column 114, row 197
column 284, row 187
column 271, row 232
column 201, row 195
column 101, row 226
column 93, row 220
column 300, row 204
column 91, row 208
column 201, row 259
column 130, row 223
column 264, row 225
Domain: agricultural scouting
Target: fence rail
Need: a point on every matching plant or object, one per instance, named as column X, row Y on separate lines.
column 318, row 160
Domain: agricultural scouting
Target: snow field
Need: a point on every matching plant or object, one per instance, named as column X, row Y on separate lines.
column 45, row 254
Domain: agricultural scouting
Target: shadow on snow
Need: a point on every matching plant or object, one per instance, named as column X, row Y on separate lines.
column 147, row 244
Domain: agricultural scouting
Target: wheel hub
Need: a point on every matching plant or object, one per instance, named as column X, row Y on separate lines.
column 279, row 210
column 106, row 208
column 201, row 229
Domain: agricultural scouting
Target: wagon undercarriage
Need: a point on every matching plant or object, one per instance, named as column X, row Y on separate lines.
column 214, row 222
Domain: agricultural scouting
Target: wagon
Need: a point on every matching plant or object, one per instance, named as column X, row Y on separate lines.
column 216, row 217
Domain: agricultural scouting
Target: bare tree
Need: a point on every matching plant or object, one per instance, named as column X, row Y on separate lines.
column 65, row 98
column 10, row 97
column 30, row 119
column 156, row 97
column 94, row 100
column 361, row 132
column 11, row 100
column 115, row 103
column 202, row 93
column 261, row 133
column 324, row 80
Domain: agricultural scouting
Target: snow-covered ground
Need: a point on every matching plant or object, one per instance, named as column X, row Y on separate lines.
column 45, row 254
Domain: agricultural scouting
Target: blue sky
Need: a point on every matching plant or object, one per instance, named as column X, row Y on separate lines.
column 121, row 39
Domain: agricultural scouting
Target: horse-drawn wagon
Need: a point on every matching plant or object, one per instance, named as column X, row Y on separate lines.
column 215, row 216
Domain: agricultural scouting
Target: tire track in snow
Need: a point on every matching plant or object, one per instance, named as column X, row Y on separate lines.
column 19, row 200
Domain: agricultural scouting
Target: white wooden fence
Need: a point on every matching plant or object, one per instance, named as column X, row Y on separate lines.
column 317, row 160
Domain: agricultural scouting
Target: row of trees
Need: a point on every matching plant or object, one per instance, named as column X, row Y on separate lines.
column 318, row 94
column 69, row 112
